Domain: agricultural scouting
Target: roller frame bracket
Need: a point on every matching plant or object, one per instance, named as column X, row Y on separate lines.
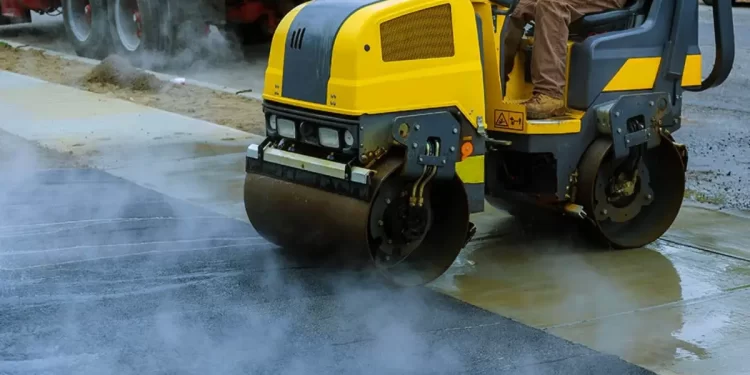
column 374, row 135
column 442, row 125
column 613, row 116
column 640, row 137
column 436, row 161
column 345, row 180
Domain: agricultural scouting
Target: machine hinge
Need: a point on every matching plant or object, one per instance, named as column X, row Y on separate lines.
column 481, row 129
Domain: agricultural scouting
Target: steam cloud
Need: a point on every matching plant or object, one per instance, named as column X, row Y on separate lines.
column 101, row 277
column 138, row 284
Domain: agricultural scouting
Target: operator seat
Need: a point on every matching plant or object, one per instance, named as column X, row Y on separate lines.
column 631, row 15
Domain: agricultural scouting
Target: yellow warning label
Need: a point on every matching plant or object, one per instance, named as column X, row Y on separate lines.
column 509, row 120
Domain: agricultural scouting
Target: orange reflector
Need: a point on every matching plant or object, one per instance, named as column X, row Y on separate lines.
column 466, row 149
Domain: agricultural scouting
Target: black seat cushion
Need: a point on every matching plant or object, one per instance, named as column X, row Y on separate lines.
column 609, row 20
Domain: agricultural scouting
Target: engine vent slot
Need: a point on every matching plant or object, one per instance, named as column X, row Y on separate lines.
column 424, row 34
column 296, row 40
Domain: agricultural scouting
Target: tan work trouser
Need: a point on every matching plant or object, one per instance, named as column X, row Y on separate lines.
column 551, row 19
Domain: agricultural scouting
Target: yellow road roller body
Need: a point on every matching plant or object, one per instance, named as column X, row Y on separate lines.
column 390, row 122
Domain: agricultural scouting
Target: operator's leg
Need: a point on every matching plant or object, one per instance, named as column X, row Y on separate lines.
column 552, row 18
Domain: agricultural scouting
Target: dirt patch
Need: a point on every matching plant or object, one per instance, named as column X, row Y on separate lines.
column 117, row 71
column 115, row 77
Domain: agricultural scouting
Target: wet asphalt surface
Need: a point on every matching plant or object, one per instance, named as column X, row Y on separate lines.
column 100, row 276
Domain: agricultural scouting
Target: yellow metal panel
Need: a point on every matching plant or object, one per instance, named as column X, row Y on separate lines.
column 640, row 73
column 362, row 82
column 562, row 125
column 471, row 169
column 517, row 88
column 636, row 74
column 510, row 117
column 567, row 73
column 692, row 74
column 491, row 52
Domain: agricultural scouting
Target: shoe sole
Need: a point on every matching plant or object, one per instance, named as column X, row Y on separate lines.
column 533, row 115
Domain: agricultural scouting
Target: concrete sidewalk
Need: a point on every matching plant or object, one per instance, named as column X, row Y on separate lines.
column 189, row 159
column 203, row 163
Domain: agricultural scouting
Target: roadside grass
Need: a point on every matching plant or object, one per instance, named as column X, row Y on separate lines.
column 701, row 197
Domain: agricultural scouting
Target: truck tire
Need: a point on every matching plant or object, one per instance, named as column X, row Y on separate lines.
column 142, row 31
column 86, row 27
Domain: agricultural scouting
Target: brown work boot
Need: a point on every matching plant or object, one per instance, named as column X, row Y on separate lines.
column 542, row 106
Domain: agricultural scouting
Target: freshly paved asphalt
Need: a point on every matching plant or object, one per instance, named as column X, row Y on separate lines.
column 101, row 276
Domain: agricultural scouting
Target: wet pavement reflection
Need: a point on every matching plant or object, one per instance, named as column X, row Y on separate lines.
column 669, row 306
column 672, row 306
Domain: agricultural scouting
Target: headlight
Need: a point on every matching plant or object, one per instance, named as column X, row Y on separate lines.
column 286, row 128
column 328, row 137
column 348, row 139
column 272, row 122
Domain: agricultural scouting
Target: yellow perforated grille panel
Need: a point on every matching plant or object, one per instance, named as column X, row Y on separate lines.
column 424, row 34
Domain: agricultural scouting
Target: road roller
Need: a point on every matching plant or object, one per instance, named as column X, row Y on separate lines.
column 390, row 123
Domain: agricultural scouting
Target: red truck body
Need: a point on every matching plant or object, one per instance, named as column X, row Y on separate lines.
column 245, row 11
column 21, row 9
column 97, row 28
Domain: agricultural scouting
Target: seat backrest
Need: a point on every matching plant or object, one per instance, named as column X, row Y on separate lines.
column 641, row 11
column 634, row 5
column 609, row 20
